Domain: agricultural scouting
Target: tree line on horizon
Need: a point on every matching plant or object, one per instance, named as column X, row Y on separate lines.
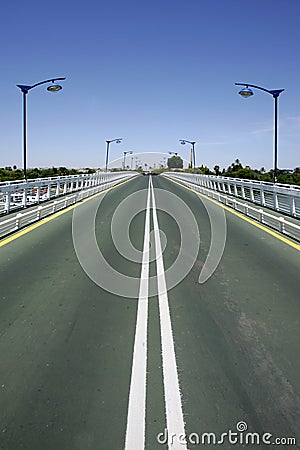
column 235, row 170
column 9, row 173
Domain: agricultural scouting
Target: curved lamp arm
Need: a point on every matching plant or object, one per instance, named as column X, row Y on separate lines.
column 25, row 88
column 183, row 141
column 115, row 140
column 274, row 92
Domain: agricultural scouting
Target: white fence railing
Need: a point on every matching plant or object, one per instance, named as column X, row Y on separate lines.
column 19, row 194
column 280, row 197
column 281, row 224
column 24, row 218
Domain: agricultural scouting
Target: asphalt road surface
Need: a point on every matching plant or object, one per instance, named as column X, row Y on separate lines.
column 147, row 317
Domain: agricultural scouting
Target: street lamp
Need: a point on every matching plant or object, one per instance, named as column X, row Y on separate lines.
column 118, row 140
column 126, row 153
column 25, row 89
column 183, row 142
column 131, row 165
column 247, row 92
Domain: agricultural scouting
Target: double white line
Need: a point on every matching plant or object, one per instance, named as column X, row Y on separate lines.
column 136, row 423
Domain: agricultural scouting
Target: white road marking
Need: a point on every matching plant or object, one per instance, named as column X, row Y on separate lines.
column 174, row 414
column 136, row 417
column 135, row 432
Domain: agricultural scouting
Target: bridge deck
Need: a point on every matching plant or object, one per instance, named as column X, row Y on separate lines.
column 67, row 344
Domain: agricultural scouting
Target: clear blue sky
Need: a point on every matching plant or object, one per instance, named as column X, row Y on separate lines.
column 151, row 72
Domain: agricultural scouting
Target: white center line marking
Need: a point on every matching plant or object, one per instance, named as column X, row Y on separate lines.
column 174, row 414
column 135, row 432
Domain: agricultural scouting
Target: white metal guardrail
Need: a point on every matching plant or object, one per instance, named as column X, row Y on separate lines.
column 280, row 197
column 24, row 218
column 19, row 194
column 281, row 224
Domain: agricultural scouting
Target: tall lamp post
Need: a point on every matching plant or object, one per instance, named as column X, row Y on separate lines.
column 118, row 140
column 125, row 153
column 25, row 89
column 183, row 142
column 247, row 92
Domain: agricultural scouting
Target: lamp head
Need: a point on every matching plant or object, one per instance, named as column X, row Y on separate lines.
column 54, row 87
column 246, row 92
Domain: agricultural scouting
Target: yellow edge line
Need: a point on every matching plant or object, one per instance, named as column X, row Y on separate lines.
column 53, row 216
column 241, row 216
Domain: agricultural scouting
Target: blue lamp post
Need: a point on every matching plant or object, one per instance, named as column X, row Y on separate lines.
column 118, row 140
column 25, row 89
column 247, row 92
column 183, row 142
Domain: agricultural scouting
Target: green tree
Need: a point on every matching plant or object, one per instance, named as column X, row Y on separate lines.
column 203, row 169
column 217, row 170
column 175, row 162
